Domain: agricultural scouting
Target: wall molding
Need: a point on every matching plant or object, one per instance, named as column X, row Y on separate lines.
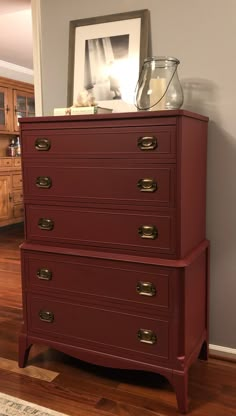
column 16, row 68
column 37, row 40
column 222, row 352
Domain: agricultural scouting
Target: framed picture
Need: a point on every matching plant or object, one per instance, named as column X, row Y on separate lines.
column 105, row 55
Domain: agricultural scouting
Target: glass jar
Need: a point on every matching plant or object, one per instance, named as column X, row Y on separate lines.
column 159, row 87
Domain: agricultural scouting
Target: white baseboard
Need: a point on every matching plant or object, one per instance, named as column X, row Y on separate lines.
column 222, row 352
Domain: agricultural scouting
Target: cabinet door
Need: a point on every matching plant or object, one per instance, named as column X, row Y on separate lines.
column 23, row 106
column 5, row 196
column 4, row 109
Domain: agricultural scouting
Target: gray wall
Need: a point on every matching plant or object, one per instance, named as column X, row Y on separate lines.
column 202, row 35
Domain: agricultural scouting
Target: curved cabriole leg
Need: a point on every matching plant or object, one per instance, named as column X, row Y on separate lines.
column 180, row 385
column 23, row 351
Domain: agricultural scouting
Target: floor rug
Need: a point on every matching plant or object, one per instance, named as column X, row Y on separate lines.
column 12, row 406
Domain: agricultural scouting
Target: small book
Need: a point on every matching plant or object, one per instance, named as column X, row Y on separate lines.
column 61, row 111
column 96, row 109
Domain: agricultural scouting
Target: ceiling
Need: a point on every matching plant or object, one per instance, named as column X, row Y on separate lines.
column 16, row 32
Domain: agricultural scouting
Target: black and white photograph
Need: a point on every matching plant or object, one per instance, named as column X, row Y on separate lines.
column 105, row 54
column 105, row 59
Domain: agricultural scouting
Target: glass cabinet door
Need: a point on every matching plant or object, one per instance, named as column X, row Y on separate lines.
column 30, row 106
column 4, row 109
column 24, row 106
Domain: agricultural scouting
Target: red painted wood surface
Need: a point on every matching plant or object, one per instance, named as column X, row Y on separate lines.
column 107, row 229
column 95, row 252
column 88, row 182
column 112, row 281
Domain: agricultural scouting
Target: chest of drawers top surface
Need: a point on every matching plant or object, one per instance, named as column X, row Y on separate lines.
column 166, row 117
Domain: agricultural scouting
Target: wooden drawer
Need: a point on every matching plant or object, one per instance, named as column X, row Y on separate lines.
column 17, row 196
column 102, row 182
column 126, row 142
column 17, row 180
column 6, row 162
column 9, row 162
column 102, row 228
column 101, row 280
column 18, row 211
column 97, row 327
column 17, row 162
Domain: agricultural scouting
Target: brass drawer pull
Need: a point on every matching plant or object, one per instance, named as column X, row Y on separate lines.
column 146, row 289
column 46, row 316
column 147, row 143
column 147, row 336
column 45, row 224
column 44, row 182
column 44, row 274
column 148, row 231
column 42, row 144
column 147, row 185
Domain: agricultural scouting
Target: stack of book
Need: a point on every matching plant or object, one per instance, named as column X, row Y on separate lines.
column 96, row 109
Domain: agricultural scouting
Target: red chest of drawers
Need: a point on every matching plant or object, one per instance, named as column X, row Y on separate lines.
column 115, row 257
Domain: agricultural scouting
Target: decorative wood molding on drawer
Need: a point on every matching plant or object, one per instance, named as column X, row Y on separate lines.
column 117, row 331
column 132, row 286
column 97, row 143
column 101, row 182
column 107, row 229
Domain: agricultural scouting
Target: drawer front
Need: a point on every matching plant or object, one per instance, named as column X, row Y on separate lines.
column 149, row 234
column 98, row 327
column 107, row 280
column 102, row 183
column 17, row 181
column 17, row 162
column 17, row 196
column 6, row 162
column 135, row 142
column 18, row 211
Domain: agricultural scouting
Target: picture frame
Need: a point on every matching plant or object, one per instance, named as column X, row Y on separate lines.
column 106, row 54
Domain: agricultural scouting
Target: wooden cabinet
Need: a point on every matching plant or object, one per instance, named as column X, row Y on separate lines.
column 16, row 100
column 11, row 193
column 115, row 240
column 5, row 190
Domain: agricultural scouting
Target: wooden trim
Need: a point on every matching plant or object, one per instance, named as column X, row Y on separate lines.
column 223, row 353
column 37, row 39
column 11, row 83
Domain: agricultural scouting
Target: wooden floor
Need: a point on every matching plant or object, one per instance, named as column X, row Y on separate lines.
column 65, row 384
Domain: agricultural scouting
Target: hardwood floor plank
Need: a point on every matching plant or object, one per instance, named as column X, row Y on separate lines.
column 9, row 266
column 30, row 371
column 50, row 395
